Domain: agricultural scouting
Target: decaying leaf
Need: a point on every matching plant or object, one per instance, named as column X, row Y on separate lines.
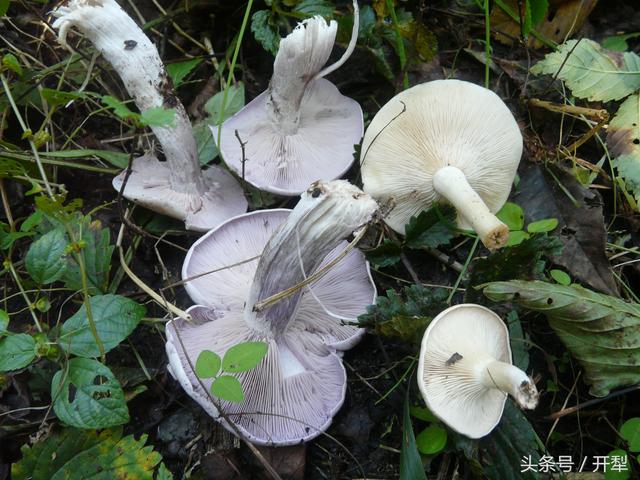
column 601, row 331
column 623, row 140
column 591, row 71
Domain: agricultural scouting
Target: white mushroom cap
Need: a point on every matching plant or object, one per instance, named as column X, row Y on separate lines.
column 444, row 140
column 301, row 129
column 465, row 370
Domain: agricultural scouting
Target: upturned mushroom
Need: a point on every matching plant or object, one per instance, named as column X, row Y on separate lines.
column 446, row 140
column 237, row 270
column 177, row 187
column 301, row 129
column 465, row 371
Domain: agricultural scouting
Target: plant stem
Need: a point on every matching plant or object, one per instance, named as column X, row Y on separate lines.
column 464, row 270
column 487, row 42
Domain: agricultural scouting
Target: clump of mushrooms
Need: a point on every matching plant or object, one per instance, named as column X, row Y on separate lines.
column 446, row 140
column 238, row 270
column 302, row 129
column 465, row 371
column 177, row 187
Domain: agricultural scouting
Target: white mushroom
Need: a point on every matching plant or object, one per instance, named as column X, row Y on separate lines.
column 465, row 370
column 444, row 140
column 301, row 129
column 177, row 187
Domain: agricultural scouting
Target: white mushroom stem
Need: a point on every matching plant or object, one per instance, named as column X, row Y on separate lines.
column 300, row 58
column 136, row 60
column 511, row 380
column 325, row 215
column 451, row 183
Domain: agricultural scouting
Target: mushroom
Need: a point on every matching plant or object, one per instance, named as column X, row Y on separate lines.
column 301, row 129
column 233, row 272
column 177, row 187
column 465, row 370
column 444, row 140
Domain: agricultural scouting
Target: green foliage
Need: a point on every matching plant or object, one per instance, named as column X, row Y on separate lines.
column 208, row 364
column 591, row 71
column 76, row 455
column 57, row 97
column 244, row 356
column 431, row 228
column 405, row 315
column 87, row 395
column 4, row 6
column 324, row 8
column 512, row 216
column 560, row 277
column 599, row 330
column 45, row 260
column 518, row 340
column 114, row 316
column 630, row 432
column 623, row 140
column 155, row 116
column 227, row 388
column 618, row 43
column 410, row 462
column 389, row 253
column 4, row 323
column 180, row 70
column 11, row 62
column 543, row 226
column 534, row 12
column 431, row 440
column 16, row 351
column 622, row 470
column 265, row 31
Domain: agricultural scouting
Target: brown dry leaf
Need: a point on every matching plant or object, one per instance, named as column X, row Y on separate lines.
column 564, row 18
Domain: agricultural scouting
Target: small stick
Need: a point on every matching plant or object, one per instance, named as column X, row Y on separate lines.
column 568, row 411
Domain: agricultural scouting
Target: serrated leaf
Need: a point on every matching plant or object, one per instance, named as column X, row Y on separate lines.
column 227, row 388
column 87, row 395
column 114, row 316
column 158, row 117
column 600, row 331
column 431, row 440
column 164, row 473
column 16, row 351
column 265, row 33
column 630, row 431
column 208, row 364
column 591, row 71
column 431, row 228
column 178, row 71
column 410, row 462
column 623, row 140
column 45, row 261
column 512, row 216
column 244, row 356
column 386, row 254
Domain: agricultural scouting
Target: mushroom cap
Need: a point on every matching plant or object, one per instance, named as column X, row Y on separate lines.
column 452, row 391
column 322, row 148
column 149, row 186
column 444, row 122
column 292, row 395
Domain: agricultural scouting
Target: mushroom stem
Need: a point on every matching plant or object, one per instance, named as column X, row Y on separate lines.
column 510, row 379
column 325, row 215
column 136, row 60
column 451, row 183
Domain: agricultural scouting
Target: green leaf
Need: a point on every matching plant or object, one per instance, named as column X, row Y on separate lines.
column 235, row 102
column 77, row 455
column 591, row 71
column 324, row 8
column 57, row 97
column 119, row 108
column 623, row 141
column 410, row 462
column 206, row 145
column 117, row 159
column 208, row 364
column 164, row 473
column 7, row 239
column 11, row 62
column 4, row 323
column 87, row 395
column 158, row 117
column 386, row 254
column 618, row 43
column 512, row 216
column 179, row 71
column 516, row 238
column 630, row 431
column 4, row 6
column 423, row 413
column 535, row 11
column 266, row 34
column 114, row 316
column 16, row 351
column 543, row 226
column 518, row 340
column 560, row 277
column 227, row 388
column 431, row 228
column 617, row 466
column 600, row 331
column 244, row 356
column 431, row 440
column 45, row 259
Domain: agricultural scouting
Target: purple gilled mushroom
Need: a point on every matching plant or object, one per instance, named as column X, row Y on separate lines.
column 177, row 187
column 302, row 129
column 292, row 395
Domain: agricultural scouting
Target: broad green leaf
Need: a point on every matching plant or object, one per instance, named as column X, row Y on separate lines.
column 623, row 140
column 114, row 316
column 208, row 364
column 16, row 351
column 617, row 465
column 516, row 238
column 4, row 322
column 244, row 356
column 560, row 277
column 601, row 331
column 386, row 254
column 227, row 388
column 206, row 145
column 423, row 413
column 235, row 102
column 87, row 395
column 512, row 216
column 630, row 431
column 431, row 228
column 179, row 71
column 158, row 117
column 431, row 440
column 543, row 226
column 591, row 71
column 4, row 6
column 410, row 462
column 11, row 62
column 45, row 260
column 78, row 455
column 324, row 8
column 265, row 32
column 57, row 97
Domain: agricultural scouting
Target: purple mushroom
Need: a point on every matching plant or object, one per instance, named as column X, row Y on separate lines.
column 292, row 395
